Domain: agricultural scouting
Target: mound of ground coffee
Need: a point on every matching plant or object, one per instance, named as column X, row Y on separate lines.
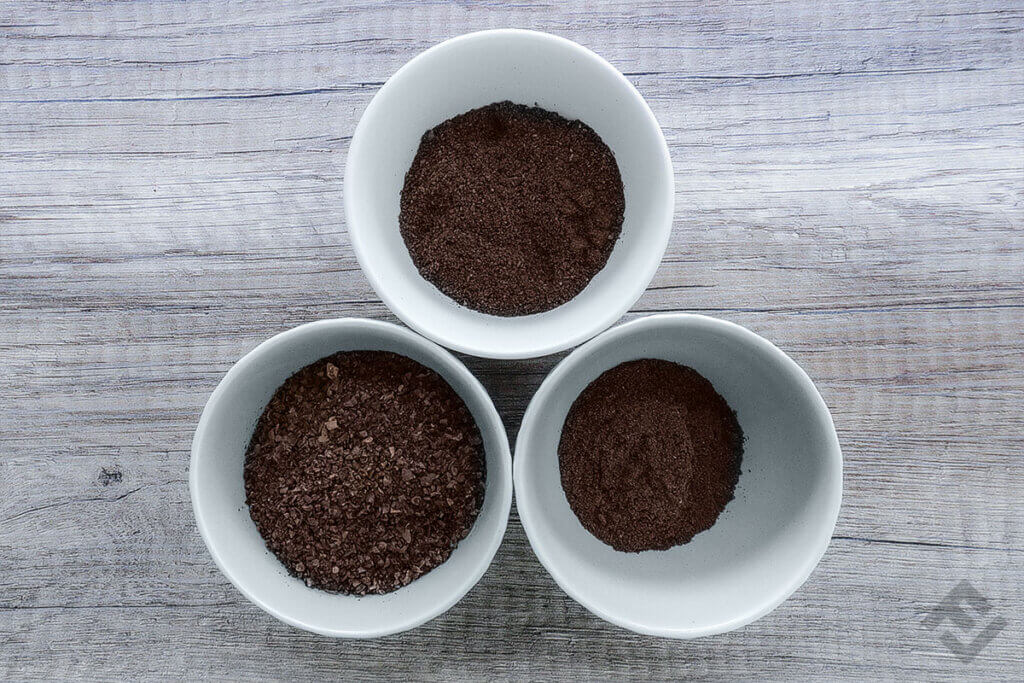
column 649, row 456
column 365, row 471
column 511, row 210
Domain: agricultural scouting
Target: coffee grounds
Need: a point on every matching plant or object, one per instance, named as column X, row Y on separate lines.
column 650, row 455
column 511, row 210
column 365, row 471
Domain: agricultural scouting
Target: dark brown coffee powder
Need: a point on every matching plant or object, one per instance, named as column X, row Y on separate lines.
column 649, row 455
column 511, row 210
column 364, row 472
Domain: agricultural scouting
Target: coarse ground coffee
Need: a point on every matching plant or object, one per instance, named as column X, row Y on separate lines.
column 364, row 472
column 511, row 210
column 649, row 455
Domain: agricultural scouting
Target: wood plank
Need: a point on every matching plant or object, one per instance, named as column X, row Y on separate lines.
column 849, row 185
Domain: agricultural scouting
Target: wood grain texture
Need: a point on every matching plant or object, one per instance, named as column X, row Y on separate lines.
column 849, row 185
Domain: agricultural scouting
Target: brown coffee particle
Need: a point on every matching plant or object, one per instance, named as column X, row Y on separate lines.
column 364, row 472
column 650, row 455
column 511, row 210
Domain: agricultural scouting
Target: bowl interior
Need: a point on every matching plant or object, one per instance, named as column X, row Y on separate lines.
column 218, row 491
column 527, row 68
column 770, row 536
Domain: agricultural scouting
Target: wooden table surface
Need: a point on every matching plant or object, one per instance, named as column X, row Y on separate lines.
column 849, row 184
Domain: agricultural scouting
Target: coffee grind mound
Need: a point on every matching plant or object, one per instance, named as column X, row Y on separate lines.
column 365, row 471
column 511, row 210
column 649, row 456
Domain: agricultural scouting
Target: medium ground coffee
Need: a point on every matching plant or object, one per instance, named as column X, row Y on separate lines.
column 365, row 471
column 511, row 210
column 650, row 455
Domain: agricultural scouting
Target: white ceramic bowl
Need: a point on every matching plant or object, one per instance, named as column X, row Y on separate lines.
column 218, row 492
column 471, row 71
column 766, row 542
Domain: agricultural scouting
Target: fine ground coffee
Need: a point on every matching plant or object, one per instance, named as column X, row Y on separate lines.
column 649, row 455
column 511, row 210
column 365, row 471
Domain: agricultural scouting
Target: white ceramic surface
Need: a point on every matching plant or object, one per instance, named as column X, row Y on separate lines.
column 218, row 494
column 471, row 71
column 768, row 539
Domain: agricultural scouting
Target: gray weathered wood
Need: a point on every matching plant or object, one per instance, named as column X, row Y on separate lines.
column 849, row 185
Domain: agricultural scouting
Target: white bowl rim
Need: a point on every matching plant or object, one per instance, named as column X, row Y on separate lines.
column 579, row 356
column 251, row 358
column 600, row 323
